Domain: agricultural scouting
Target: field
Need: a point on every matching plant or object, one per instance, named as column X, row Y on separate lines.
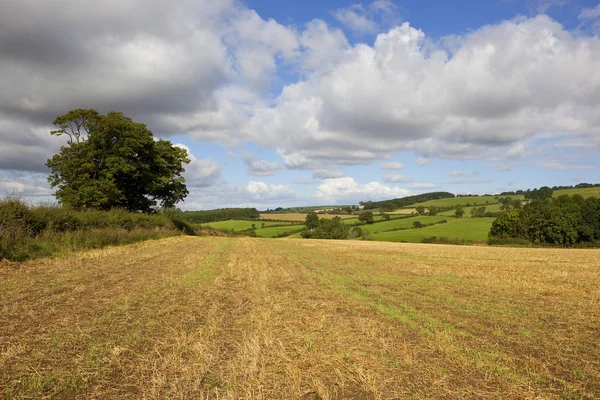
column 467, row 210
column 273, row 232
column 232, row 318
column 300, row 216
column 402, row 223
column 456, row 201
column 240, row 225
column 475, row 229
column 585, row 192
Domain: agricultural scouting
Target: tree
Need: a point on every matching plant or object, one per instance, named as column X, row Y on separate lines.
column 366, row 217
column 333, row 228
column 460, row 212
column 420, row 210
column 112, row 161
column 417, row 224
column 312, row 220
column 348, row 209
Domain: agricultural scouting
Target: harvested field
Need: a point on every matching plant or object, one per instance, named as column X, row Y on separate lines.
column 246, row 318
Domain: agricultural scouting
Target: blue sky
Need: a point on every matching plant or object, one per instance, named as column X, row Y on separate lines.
column 284, row 103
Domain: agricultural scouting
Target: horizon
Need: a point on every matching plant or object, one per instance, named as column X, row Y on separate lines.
column 310, row 103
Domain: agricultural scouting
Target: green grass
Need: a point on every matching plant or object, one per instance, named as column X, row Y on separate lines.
column 585, row 192
column 456, row 201
column 488, row 208
column 475, row 229
column 273, row 232
column 240, row 225
column 402, row 223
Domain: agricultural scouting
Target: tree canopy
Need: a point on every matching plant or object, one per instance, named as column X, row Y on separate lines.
column 112, row 161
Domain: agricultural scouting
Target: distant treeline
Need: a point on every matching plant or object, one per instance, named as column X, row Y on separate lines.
column 564, row 220
column 528, row 191
column 405, row 201
column 223, row 214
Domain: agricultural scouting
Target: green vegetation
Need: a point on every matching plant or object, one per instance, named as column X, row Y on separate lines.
column 489, row 208
column 564, row 220
column 333, row 228
column 241, row 225
column 465, row 201
column 113, row 162
column 31, row 232
column 470, row 229
column 403, row 223
column 393, row 204
column 585, row 192
column 278, row 231
column 223, row 214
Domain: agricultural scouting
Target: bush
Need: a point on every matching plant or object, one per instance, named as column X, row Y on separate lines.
column 30, row 232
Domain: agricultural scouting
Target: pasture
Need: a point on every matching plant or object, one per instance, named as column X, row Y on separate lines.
column 462, row 201
column 467, row 210
column 233, row 318
column 585, row 192
column 295, row 217
column 240, row 225
column 475, row 229
column 403, row 223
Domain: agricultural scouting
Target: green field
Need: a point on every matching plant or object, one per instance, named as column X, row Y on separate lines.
column 402, row 223
column 585, row 192
column 461, row 201
column 475, row 229
column 273, row 232
column 488, row 208
column 240, row 225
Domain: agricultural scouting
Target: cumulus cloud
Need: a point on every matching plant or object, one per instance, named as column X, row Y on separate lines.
column 327, row 174
column 258, row 167
column 368, row 19
column 347, row 190
column 262, row 192
column 590, row 13
column 200, row 173
column 24, row 184
column 422, row 161
column 500, row 85
column 392, row 165
column 396, row 178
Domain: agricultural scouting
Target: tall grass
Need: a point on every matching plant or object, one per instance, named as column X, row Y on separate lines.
column 39, row 231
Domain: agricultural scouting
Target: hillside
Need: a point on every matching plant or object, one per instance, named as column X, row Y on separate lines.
column 235, row 318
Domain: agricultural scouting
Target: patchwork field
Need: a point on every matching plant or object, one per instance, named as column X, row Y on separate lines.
column 585, row 192
column 300, row 216
column 245, row 318
column 240, row 225
column 467, row 210
column 475, row 229
column 461, row 201
column 402, row 223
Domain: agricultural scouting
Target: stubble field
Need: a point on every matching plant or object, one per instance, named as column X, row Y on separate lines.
column 245, row 318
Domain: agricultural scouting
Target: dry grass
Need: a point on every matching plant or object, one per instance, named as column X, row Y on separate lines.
column 242, row 318
column 301, row 216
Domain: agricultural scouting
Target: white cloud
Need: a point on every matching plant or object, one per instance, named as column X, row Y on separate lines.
column 422, row 161
column 369, row 19
column 502, row 84
column 396, row 178
column 355, row 18
column 200, row 173
column 348, row 191
column 392, row 165
column 258, row 167
column 327, row 174
column 262, row 192
column 590, row 13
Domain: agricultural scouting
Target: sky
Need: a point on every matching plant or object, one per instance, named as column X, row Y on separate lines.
column 306, row 102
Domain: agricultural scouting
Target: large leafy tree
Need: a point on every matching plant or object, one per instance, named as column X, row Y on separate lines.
column 112, row 161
